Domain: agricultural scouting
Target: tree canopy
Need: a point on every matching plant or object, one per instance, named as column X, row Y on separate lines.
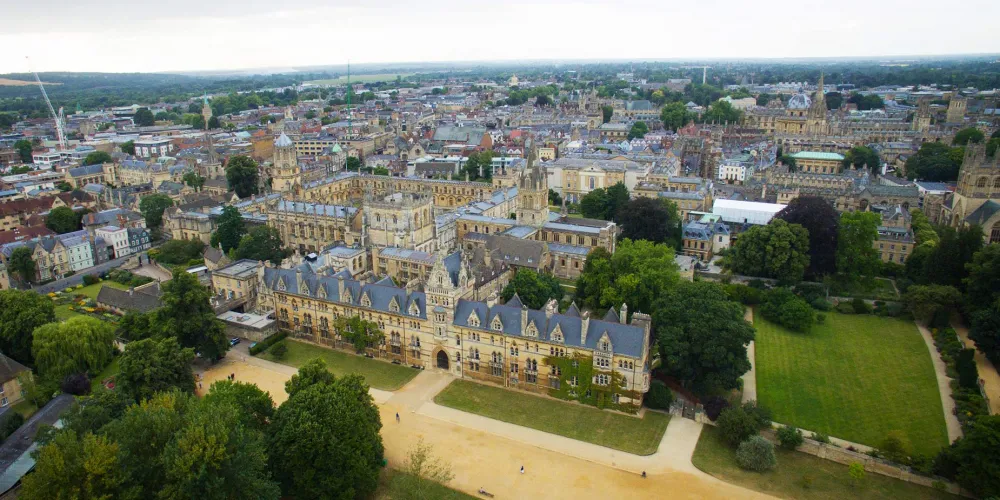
column 144, row 117
column 24, row 148
column 152, row 207
column 636, row 274
column 982, row 285
column 862, row 156
column 261, row 243
column 188, row 315
column 78, row 345
column 967, row 135
column 973, row 460
column 63, row 220
column 675, row 115
column 22, row 264
column 21, row 312
column 603, row 203
column 534, row 289
column 778, row 250
column 652, row 219
column 935, row 161
column 820, row 219
column 639, row 130
column 721, row 112
column 97, row 158
column 856, row 255
column 242, row 176
column 230, row 229
column 151, row 365
column 128, row 147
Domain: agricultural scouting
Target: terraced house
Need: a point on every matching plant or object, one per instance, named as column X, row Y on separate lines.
column 603, row 362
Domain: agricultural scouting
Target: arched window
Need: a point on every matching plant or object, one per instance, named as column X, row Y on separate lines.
column 981, row 182
column 996, row 182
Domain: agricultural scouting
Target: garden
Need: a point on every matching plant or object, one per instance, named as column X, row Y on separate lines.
column 82, row 301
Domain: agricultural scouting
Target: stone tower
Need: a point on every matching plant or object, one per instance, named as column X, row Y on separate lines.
column 956, row 109
column 206, row 111
column 816, row 115
column 978, row 182
column 286, row 172
column 922, row 120
column 532, row 194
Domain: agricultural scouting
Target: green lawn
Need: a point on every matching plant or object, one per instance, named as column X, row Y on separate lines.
column 109, row 371
column 883, row 290
column 62, row 311
column 397, row 485
column 378, row 374
column 826, row 479
column 583, row 423
column 856, row 377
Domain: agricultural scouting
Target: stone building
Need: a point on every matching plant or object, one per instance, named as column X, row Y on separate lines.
column 975, row 198
column 895, row 239
column 311, row 227
column 404, row 220
column 285, row 171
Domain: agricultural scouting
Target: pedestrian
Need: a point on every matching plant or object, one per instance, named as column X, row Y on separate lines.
column 397, row 417
column 232, row 376
column 644, row 474
column 522, row 469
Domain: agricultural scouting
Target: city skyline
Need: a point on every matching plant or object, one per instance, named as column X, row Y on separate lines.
column 115, row 36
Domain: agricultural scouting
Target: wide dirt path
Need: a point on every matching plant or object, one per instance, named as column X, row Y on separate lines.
column 488, row 453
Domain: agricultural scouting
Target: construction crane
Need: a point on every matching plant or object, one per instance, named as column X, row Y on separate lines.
column 60, row 133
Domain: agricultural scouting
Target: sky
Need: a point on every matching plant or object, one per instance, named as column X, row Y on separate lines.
column 205, row 35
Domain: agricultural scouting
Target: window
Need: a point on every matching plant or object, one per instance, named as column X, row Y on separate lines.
column 603, row 379
column 497, row 325
column 573, row 381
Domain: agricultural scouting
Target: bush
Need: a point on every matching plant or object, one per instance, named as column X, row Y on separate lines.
column 77, row 384
column 12, row 423
column 178, row 252
column 279, row 351
column 90, row 279
column 856, row 472
column 821, row 304
column 756, row 454
column 941, row 319
column 744, row 294
column 968, row 374
column 820, row 438
column 811, row 292
column 820, row 318
column 659, row 396
column 896, row 447
column 268, row 342
column 845, row 308
column 714, row 406
column 758, row 284
column 736, row 425
column 860, row 306
column 760, row 414
column 783, row 307
column 790, row 437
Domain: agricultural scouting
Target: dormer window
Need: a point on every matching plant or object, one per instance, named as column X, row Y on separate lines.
column 497, row 325
column 414, row 310
column 557, row 335
column 366, row 301
column 531, row 331
column 474, row 319
column 605, row 346
column 394, row 305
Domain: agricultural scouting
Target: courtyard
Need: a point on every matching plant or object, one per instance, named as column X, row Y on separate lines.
column 855, row 377
column 378, row 374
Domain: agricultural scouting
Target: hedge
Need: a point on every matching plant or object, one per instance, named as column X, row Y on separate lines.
column 263, row 345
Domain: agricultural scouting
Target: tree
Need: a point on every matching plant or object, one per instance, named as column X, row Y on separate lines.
column 62, row 220
column 188, row 315
column 790, row 437
column 78, row 345
column 636, row 275
column 312, row 373
column 128, row 148
column 534, row 289
column 425, row 472
column 178, row 252
column 230, row 229
column 639, row 130
column 820, row 219
column 675, row 115
column 756, row 454
column 982, row 285
column 651, row 219
column 856, row 255
column 74, row 467
column 778, row 250
column 353, row 164
column 896, row 446
column 967, row 135
column 945, row 262
column 834, row 100
column 554, row 198
column 618, row 197
column 736, row 425
column 792, row 163
column 191, row 178
column 985, row 332
column 21, row 312
column 866, row 102
column 594, row 205
column 22, row 263
column 363, row 334
column 935, row 161
column 23, row 148
column 659, row 396
column 254, row 405
column 926, row 300
column 97, row 158
column 479, row 166
column 213, row 122
column 261, row 243
column 722, row 112
column 144, row 117
column 702, row 335
column 149, row 366
column 862, row 156
column 242, row 175
column 324, row 441
column 606, row 113
column 973, row 460
column 152, row 207
column 787, row 309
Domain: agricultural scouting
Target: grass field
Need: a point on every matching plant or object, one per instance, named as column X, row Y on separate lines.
column 583, row 423
column 378, row 374
column 799, row 475
column 856, row 377
column 62, row 311
column 883, row 290
column 109, row 371
column 397, row 485
column 384, row 77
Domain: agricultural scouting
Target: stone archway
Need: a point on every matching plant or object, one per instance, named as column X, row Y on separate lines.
column 442, row 360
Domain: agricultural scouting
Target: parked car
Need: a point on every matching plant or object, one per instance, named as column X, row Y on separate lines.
column 233, row 341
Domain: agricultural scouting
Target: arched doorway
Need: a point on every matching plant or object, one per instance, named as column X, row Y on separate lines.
column 442, row 360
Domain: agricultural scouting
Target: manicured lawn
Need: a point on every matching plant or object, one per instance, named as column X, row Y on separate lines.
column 109, row 371
column 883, row 290
column 856, row 377
column 826, row 479
column 62, row 311
column 397, row 485
column 583, row 423
column 378, row 374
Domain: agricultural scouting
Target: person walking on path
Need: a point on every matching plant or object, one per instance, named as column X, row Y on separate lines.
column 522, row 469
column 397, row 417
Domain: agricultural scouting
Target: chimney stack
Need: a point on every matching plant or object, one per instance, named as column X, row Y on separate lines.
column 584, row 326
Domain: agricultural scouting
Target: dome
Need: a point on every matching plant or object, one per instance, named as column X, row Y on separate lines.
column 799, row 101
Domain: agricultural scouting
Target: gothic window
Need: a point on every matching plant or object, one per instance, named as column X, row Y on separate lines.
column 394, row 305
column 474, row 319
column 497, row 325
column 981, row 182
column 532, row 331
column 366, row 301
column 996, row 182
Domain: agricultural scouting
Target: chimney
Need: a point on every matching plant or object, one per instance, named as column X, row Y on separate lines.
column 524, row 318
column 551, row 308
column 584, row 326
column 623, row 314
column 340, row 287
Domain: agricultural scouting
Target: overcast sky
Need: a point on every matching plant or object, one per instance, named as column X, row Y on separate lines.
column 130, row 35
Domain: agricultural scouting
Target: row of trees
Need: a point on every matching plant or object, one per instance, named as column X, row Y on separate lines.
column 257, row 243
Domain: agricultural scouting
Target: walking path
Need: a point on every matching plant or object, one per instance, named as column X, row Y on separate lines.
column 487, row 453
column 750, row 377
column 987, row 371
column 944, row 386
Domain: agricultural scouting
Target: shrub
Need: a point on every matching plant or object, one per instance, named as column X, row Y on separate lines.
column 744, row 294
column 760, row 414
column 896, row 447
column 810, row 292
column 90, row 279
column 268, row 342
column 758, row 284
column 178, row 252
column 860, row 306
column 12, row 423
column 279, row 351
column 820, row 318
column 820, row 437
column 856, row 471
column 790, row 437
column 965, row 364
column 845, row 308
column 659, row 396
column 756, row 454
column 736, row 425
column 786, row 309
column 714, row 406
column 941, row 319
column 821, row 304
column 77, row 384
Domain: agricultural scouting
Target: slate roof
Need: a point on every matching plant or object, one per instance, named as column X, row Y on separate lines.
column 327, row 287
column 138, row 300
column 983, row 213
column 9, row 368
column 86, row 170
column 315, row 208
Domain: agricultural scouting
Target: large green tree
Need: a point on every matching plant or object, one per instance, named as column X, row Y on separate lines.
column 243, row 176
column 534, row 289
column 702, row 335
column 675, row 115
column 144, row 117
column 72, row 466
column 984, row 330
column 637, row 273
column 78, row 345
column 857, row 257
column 967, row 135
column 973, row 460
column 935, row 161
column 97, row 158
column 862, row 156
column 820, row 219
column 128, row 147
column 23, row 148
column 21, row 312
column 926, row 300
column 722, row 112
column 261, row 243
column 152, row 207
column 778, row 250
column 639, row 130
column 194, row 180
column 479, row 166
column 982, row 286
column 606, row 113
column 188, row 315
column 944, row 261
column 324, row 441
column 311, row 373
column 230, row 229
column 22, row 264
column 62, row 220
column 594, row 205
column 651, row 219
column 151, row 365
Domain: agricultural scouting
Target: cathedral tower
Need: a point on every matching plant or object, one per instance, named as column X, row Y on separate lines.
column 286, row 173
column 532, row 194
column 816, row 116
